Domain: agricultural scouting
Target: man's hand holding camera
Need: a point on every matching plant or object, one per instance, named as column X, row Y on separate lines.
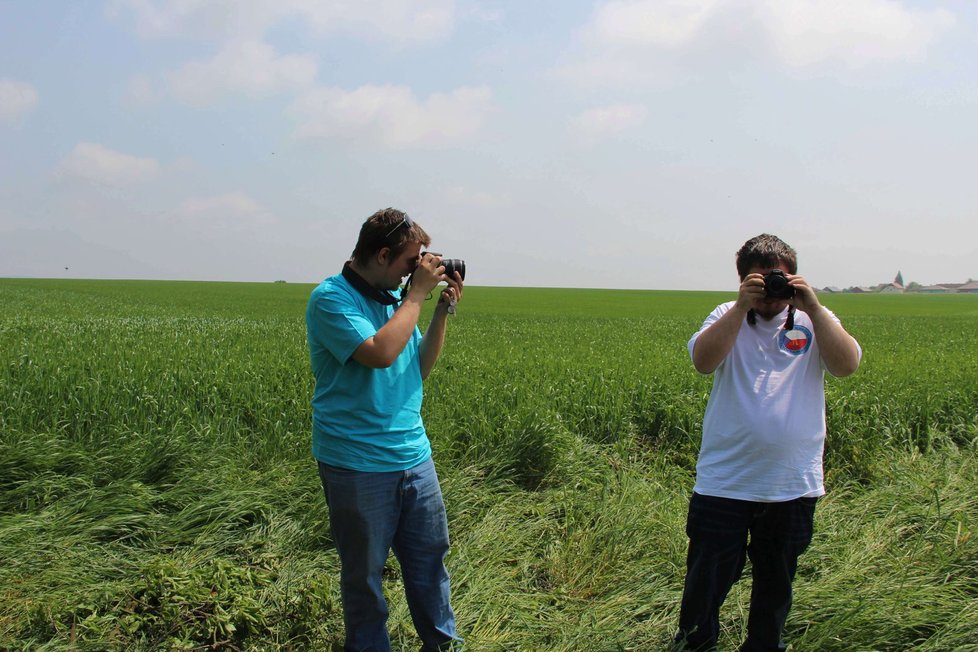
column 762, row 289
column 428, row 273
column 792, row 288
column 751, row 291
column 432, row 269
column 451, row 295
column 804, row 297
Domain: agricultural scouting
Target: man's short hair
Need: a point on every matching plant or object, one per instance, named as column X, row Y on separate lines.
column 765, row 250
column 391, row 228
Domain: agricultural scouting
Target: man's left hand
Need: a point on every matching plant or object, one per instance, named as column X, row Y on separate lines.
column 452, row 294
column 805, row 298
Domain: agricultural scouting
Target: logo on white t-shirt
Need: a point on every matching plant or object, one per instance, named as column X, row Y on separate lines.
column 796, row 341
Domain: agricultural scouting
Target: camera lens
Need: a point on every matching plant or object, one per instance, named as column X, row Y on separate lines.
column 453, row 265
column 776, row 285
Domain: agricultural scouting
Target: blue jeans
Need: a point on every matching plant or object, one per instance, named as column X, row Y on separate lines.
column 370, row 513
column 718, row 530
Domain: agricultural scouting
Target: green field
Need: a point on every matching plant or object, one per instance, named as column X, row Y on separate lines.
column 157, row 490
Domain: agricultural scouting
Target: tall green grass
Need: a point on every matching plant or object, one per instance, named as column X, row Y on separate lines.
column 157, row 491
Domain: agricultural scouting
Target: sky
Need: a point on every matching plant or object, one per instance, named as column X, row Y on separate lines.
column 554, row 143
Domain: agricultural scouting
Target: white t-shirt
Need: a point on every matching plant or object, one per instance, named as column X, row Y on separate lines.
column 764, row 427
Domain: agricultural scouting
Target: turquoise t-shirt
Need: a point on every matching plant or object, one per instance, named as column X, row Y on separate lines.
column 364, row 419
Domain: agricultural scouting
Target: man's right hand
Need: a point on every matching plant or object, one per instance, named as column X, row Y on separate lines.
column 751, row 289
column 427, row 275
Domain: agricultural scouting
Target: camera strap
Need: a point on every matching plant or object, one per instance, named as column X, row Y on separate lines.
column 360, row 284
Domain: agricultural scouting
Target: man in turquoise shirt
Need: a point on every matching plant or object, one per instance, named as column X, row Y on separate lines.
column 369, row 359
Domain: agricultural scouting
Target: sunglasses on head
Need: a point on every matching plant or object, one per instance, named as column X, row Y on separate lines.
column 407, row 220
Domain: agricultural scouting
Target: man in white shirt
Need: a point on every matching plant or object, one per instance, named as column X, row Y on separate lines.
column 759, row 472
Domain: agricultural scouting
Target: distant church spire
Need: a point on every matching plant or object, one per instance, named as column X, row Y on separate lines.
column 899, row 279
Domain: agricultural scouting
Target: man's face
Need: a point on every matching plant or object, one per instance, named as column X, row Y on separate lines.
column 769, row 308
column 402, row 266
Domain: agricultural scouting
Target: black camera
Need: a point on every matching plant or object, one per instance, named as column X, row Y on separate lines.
column 453, row 265
column 776, row 285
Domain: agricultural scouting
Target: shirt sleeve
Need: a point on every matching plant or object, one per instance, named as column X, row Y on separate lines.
column 859, row 348
column 339, row 324
column 710, row 319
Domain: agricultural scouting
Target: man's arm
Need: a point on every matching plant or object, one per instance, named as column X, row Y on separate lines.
column 381, row 350
column 839, row 350
column 715, row 343
column 434, row 335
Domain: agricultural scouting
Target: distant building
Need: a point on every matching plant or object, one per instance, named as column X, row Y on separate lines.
column 831, row 288
column 895, row 287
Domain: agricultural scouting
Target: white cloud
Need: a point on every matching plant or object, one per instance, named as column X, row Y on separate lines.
column 646, row 23
column 251, row 68
column 635, row 41
column 852, row 32
column 16, row 99
column 602, row 122
column 234, row 210
column 392, row 115
column 629, row 42
column 205, row 19
column 97, row 163
column 391, row 21
column 246, row 63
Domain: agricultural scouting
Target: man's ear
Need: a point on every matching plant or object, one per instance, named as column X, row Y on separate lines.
column 383, row 256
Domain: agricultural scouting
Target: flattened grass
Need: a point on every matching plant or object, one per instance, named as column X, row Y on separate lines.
column 157, row 492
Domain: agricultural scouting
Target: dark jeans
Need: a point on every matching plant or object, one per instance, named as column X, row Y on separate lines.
column 718, row 530
column 370, row 513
